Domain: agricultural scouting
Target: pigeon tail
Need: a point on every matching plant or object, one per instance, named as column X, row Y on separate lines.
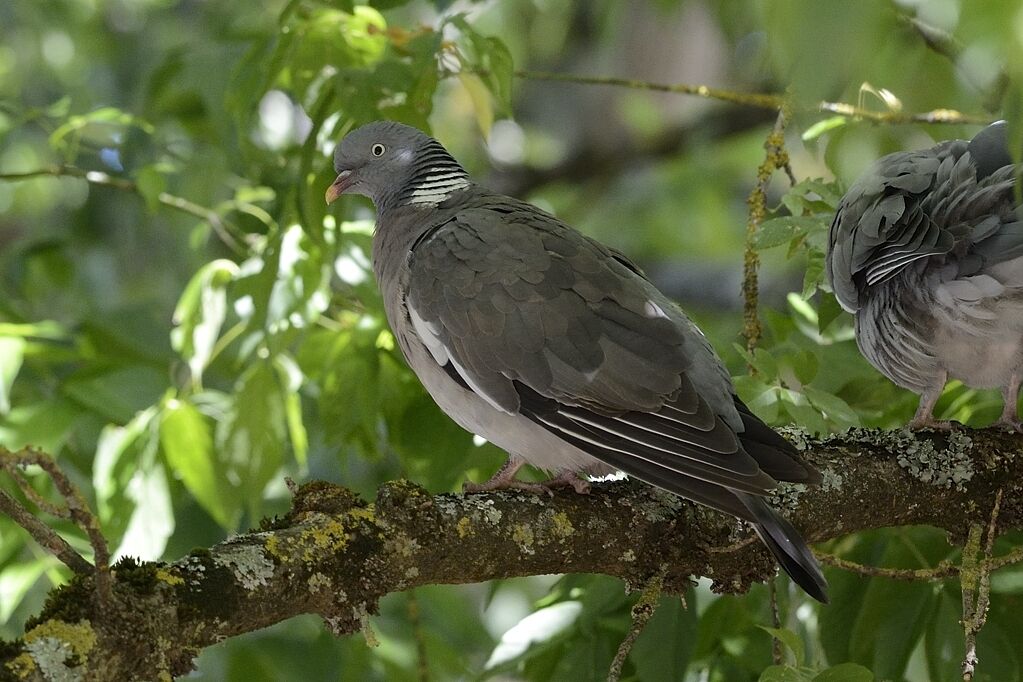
column 787, row 546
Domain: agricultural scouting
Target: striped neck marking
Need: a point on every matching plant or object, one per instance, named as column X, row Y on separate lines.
column 438, row 185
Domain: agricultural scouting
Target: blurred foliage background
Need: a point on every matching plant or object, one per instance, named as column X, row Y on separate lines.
column 183, row 324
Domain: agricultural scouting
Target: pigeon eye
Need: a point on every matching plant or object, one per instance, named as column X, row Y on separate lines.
column 377, row 149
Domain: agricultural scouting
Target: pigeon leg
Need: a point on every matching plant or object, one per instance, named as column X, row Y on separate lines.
column 1009, row 419
column 567, row 478
column 505, row 479
column 924, row 417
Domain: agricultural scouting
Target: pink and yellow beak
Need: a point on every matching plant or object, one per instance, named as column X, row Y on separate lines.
column 340, row 185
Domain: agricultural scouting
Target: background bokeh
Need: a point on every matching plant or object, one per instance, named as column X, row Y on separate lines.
column 183, row 323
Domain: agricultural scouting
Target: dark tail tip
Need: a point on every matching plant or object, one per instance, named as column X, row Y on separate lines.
column 788, row 547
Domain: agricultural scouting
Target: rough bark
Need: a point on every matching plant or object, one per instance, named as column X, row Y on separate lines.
column 337, row 555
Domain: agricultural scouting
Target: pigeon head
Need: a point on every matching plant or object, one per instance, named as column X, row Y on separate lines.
column 395, row 164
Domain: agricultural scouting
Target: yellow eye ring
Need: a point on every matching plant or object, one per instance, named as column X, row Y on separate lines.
column 377, row 149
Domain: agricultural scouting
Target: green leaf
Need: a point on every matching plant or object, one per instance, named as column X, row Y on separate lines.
column 539, row 627
column 877, row 622
column 823, row 126
column 782, row 673
column 758, row 396
column 804, row 365
column 187, row 441
column 200, row 313
column 761, row 360
column 46, row 425
column 119, row 454
column 491, row 59
column 845, row 672
column 802, row 413
column 792, row 641
column 671, row 622
column 776, row 231
column 151, row 183
column 15, row 582
column 480, row 97
column 120, row 393
column 252, row 436
column 827, row 310
column 152, row 521
column 12, row 352
column 814, row 274
column 833, row 407
column 292, row 378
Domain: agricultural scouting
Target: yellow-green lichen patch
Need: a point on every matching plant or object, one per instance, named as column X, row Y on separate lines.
column 561, row 525
column 22, row 666
column 367, row 513
column 328, row 535
column 166, row 576
column 322, row 534
column 53, row 646
column 249, row 564
column 523, row 537
column 273, row 547
column 464, row 527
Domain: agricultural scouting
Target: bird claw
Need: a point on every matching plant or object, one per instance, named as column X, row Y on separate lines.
column 565, row 479
column 1010, row 424
column 919, row 423
column 569, row 479
column 493, row 485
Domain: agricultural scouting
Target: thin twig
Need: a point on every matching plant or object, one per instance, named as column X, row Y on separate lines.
column 772, row 591
column 976, row 585
column 77, row 510
column 942, row 571
column 221, row 227
column 641, row 614
column 775, row 157
column 1013, row 557
column 30, row 492
column 765, row 100
column 44, row 535
column 422, row 662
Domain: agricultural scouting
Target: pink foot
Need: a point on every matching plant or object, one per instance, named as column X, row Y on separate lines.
column 928, row 422
column 505, row 479
column 1010, row 424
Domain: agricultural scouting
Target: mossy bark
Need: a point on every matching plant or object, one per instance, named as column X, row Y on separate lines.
column 336, row 555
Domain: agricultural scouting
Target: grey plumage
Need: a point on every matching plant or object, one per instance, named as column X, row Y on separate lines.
column 556, row 348
column 926, row 250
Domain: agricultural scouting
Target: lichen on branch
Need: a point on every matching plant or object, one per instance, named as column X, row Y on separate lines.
column 336, row 555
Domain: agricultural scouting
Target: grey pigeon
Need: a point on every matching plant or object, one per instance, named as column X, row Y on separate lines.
column 926, row 250
column 556, row 348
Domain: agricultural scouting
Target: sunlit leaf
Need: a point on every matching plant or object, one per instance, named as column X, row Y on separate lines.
column 187, row 441
column 792, row 641
column 12, row 350
column 845, row 672
column 539, row 626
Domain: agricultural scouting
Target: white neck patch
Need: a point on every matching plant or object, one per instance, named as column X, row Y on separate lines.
column 439, row 184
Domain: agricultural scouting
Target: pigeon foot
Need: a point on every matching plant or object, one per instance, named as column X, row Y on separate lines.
column 929, row 422
column 567, row 478
column 505, row 479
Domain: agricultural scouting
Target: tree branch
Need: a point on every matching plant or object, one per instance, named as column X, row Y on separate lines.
column 220, row 226
column 766, row 100
column 337, row 556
